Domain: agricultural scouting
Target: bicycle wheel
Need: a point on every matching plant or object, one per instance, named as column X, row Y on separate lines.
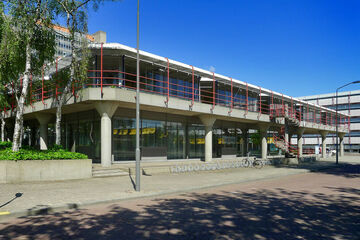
column 257, row 164
column 245, row 163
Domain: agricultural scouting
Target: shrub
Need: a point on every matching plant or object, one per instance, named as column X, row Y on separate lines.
column 31, row 154
column 4, row 145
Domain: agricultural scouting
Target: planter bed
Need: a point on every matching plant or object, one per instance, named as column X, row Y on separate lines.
column 15, row 171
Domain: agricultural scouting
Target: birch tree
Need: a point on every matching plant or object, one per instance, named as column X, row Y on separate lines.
column 2, row 92
column 10, row 54
column 30, row 25
column 75, row 13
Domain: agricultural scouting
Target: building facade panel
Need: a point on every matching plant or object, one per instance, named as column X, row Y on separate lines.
column 348, row 103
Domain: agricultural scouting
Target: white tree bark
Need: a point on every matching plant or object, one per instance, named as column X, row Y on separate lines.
column 67, row 87
column 58, row 123
column 3, row 129
column 21, row 132
column 21, row 101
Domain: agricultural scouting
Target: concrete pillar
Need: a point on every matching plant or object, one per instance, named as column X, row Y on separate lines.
column 43, row 119
column 106, row 111
column 323, row 139
column 245, row 134
column 263, row 134
column 300, row 133
column 341, row 143
column 286, row 133
column 208, row 122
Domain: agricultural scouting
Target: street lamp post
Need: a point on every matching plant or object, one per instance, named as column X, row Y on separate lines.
column 336, row 119
column 137, row 151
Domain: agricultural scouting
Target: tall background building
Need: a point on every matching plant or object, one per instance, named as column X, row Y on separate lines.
column 63, row 45
column 348, row 103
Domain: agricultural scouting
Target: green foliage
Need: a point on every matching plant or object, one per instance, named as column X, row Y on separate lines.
column 256, row 138
column 4, row 145
column 26, row 23
column 12, row 55
column 57, row 152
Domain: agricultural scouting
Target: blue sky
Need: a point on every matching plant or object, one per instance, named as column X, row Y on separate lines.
column 295, row 47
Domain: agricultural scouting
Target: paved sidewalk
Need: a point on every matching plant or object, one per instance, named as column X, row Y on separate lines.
column 60, row 195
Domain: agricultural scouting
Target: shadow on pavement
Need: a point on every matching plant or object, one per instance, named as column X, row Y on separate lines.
column 346, row 170
column 349, row 170
column 17, row 195
column 260, row 214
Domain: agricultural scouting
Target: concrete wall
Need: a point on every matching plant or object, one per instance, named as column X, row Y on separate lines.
column 44, row 170
column 353, row 97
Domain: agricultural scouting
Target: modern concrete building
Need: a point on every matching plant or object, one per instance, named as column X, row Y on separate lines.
column 348, row 103
column 62, row 39
column 186, row 112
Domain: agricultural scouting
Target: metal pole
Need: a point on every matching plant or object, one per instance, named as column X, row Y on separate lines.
column 260, row 101
column 336, row 123
column 101, row 69
column 137, row 152
column 214, row 97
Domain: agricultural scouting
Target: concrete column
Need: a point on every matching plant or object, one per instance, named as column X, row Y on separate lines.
column 323, row 138
column 208, row 122
column 300, row 141
column 341, row 143
column 263, row 133
column 245, row 134
column 286, row 133
column 43, row 119
column 106, row 111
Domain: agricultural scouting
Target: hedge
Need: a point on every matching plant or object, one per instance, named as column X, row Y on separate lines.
column 32, row 154
column 4, row 145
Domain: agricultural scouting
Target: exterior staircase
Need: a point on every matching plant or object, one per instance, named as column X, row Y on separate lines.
column 113, row 171
column 284, row 145
column 292, row 120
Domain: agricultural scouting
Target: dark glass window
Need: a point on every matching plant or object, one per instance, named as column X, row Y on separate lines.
column 196, row 141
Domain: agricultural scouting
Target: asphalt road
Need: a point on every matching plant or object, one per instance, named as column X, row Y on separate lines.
column 323, row 205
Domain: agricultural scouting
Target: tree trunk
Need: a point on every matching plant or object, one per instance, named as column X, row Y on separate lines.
column 21, row 101
column 67, row 87
column 58, row 122
column 3, row 129
column 21, row 132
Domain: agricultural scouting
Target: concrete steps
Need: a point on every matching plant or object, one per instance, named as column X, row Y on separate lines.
column 111, row 172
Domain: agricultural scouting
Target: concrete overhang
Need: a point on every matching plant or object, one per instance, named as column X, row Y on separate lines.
column 125, row 98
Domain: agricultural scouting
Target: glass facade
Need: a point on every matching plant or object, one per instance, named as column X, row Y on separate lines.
column 171, row 140
column 124, row 138
column 196, row 136
column 120, row 71
column 81, row 133
column 176, row 143
column 159, row 139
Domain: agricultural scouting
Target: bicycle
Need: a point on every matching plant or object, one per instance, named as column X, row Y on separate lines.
column 256, row 163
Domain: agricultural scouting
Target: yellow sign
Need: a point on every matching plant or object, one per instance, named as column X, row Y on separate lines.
column 133, row 131
column 198, row 141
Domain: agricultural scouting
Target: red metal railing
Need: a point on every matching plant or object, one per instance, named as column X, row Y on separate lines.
column 290, row 148
column 165, row 86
